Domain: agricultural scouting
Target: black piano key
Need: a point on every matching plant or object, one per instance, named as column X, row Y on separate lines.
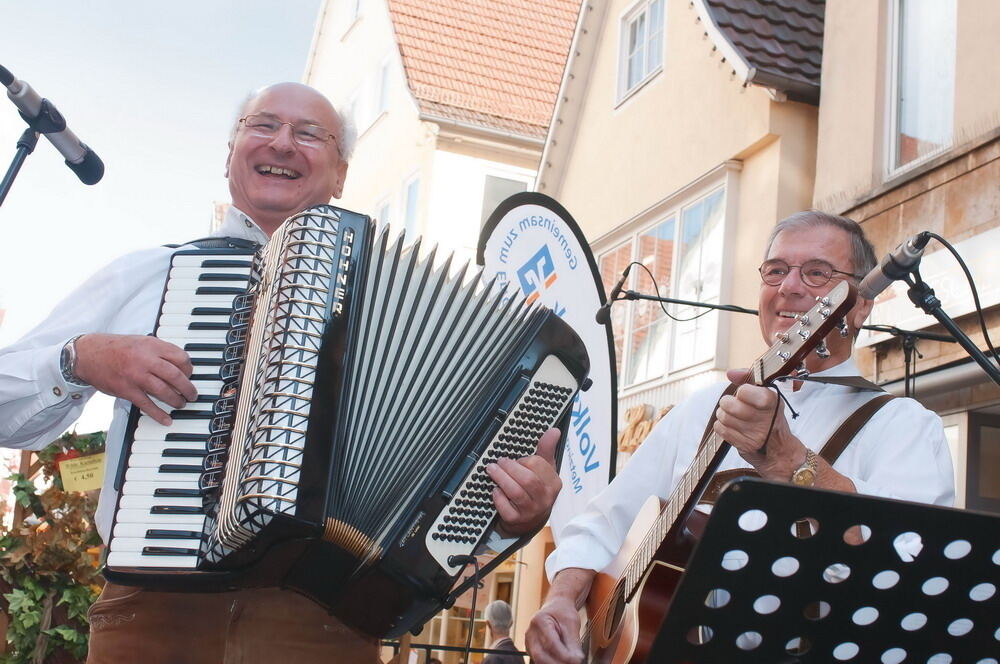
column 225, row 263
column 160, row 533
column 177, row 493
column 186, row 437
column 167, row 551
column 208, row 326
column 221, row 276
column 203, row 376
column 175, row 509
column 212, row 311
column 180, row 452
column 219, row 290
column 179, row 468
column 191, row 414
column 206, row 361
column 211, row 348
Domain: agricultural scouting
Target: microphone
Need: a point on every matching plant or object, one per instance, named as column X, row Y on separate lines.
column 603, row 316
column 43, row 117
column 895, row 265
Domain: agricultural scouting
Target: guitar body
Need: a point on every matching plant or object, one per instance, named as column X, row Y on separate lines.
column 623, row 632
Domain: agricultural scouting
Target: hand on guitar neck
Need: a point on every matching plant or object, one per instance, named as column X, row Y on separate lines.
column 744, row 419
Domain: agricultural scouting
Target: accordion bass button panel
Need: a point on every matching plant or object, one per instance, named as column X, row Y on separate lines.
column 465, row 521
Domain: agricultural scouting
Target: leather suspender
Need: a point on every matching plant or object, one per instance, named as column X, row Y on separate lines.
column 831, row 451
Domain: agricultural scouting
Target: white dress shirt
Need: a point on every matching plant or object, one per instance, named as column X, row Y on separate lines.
column 37, row 404
column 900, row 453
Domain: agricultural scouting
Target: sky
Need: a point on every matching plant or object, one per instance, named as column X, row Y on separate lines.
column 153, row 89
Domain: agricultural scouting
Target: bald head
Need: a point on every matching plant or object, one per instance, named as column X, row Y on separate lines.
column 345, row 138
column 278, row 165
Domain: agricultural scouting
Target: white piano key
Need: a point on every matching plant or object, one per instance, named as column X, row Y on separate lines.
column 137, row 544
column 157, row 460
column 165, row 332
column 147, row 502
column 157, row 446
column 132, row 559
column 192, row 285
column 185, row 319
column 153, row 475
column 146, row 488
column 149, row 429
column 197, row 260
column 193, row 272
column 168, row 521
column 201, row 406
column 187, row 308
column 203, row 300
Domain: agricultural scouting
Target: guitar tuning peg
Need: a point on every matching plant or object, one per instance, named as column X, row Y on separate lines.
column 801, row 372
column 822, row 350
column 843, row 327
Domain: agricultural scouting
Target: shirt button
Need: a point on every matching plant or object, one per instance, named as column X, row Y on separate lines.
column 75, row 395
column 56, row 391
column 247, row 222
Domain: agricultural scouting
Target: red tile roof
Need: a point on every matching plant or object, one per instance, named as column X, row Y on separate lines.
column 487, row 63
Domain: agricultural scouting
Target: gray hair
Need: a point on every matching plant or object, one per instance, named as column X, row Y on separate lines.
column 499, row 615
column 346, row 138
column 863, row 258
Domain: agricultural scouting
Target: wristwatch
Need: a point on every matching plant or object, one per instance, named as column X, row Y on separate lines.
column 805, row 475
column 67, row 363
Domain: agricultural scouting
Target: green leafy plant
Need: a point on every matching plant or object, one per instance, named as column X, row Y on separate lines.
column 48, row 562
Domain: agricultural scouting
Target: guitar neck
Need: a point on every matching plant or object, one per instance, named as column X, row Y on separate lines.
column 680, row 503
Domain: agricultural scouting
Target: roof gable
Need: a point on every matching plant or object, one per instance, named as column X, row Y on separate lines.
column 778, row 43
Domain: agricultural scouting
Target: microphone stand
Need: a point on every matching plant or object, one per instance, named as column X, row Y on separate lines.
column 908, row 338
column 25, row 146
column 635, row 295
column 922, row 295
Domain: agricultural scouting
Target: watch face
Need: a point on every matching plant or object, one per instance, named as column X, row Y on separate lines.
column 804, row 477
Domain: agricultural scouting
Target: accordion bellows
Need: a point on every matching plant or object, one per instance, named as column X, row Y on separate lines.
column 375, row 383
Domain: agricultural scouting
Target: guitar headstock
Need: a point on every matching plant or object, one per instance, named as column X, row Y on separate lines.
column 806, row 334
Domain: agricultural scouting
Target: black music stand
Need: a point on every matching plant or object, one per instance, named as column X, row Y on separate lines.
column 924, row 586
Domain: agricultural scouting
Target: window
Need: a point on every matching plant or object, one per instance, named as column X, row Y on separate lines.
column 683, row 253
column 641, row 44
column 382, row 103
column 923, row 93
column 495, row 191
column 410, row 200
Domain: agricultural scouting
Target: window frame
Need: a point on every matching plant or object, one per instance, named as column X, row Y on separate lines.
column 891, row 138
column 627, row 18
column 722, row 178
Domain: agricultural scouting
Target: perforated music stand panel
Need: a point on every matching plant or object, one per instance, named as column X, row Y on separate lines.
column 907, row 583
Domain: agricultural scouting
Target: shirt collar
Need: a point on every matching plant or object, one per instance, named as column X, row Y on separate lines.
column 238, row 224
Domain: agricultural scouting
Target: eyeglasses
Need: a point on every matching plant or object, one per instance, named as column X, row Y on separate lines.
column 814, row 273
column 307, row 134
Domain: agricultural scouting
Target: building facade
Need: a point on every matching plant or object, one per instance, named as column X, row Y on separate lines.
column 909, row 141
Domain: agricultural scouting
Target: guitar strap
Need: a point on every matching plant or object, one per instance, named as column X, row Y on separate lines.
column 831, row 451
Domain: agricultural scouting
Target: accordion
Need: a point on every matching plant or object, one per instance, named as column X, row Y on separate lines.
column 354, row 389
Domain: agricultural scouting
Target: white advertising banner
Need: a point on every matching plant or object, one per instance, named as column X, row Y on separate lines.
column 532, row 242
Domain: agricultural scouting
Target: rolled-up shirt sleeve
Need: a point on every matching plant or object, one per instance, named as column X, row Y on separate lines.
column 36, row 402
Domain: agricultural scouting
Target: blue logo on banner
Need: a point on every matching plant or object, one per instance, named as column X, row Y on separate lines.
column 537, row 274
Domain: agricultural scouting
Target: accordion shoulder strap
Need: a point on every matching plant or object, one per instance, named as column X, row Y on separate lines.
column 218, row 243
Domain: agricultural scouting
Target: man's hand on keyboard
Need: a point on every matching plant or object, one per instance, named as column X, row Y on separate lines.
column 137, row 368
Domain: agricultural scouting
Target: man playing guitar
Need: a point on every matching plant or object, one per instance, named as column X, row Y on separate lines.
column 901, row 452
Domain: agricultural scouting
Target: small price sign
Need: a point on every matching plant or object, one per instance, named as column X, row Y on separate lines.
column 82, row 473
